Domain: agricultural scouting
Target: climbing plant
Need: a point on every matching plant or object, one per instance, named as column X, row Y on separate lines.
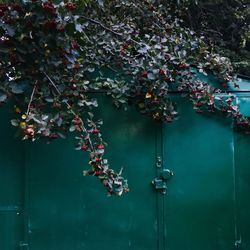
column 53, row 54
column 225, row 24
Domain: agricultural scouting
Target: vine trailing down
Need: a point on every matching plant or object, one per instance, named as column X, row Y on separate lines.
column 53, row 54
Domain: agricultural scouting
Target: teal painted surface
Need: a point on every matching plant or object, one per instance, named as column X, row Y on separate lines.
column 200, row 202
column 206, row 206
column 11, row 185
column 242, row 176
column 69, row 211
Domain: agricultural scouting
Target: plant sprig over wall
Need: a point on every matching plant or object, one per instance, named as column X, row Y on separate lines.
column 52, row 54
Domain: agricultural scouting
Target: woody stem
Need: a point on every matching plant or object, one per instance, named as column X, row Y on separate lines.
column 31, row 98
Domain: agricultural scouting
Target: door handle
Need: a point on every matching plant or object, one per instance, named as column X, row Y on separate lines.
column 160, row 183
column 23, row 245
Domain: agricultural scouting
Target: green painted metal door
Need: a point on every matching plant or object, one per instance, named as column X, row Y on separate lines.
column 200, row 204
column 70, row 212
column 45, row 203
column 11, row 186
column 242, row 176
column 207, row 206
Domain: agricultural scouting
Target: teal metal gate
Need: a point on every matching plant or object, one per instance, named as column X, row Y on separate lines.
column 68, row 211
column 12, row 178
column 45, row 203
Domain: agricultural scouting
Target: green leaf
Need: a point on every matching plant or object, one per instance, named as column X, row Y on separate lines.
column 91, row 115
column 151, row 76
column 72, row 128
column 3, row 97
column 49, row 99
column 101, row 3
column 4, row 50
column 14, row 122
column 18, row 87
column 8, row 29
column 79, row 27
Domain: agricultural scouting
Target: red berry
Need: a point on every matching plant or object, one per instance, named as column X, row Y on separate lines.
column 125, row 45
column 84, row 147
column 3, row 8
column 97, row 173
column 100, row 146
column 70, row 6
column 76, row 66
column 30, row 131
column 122, row 51
column 151, row 8
column 167, row 79
column 61, row 29
column 49, row 7
column 17, row 7
column 144, row 73
column 74, row 45
column 95, row 131
column 98, row 159
column 169, row 119
column 77, row 121
column 50, row 24
column 182, row 66
column 162, row 72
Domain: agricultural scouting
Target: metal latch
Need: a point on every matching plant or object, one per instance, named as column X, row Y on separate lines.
column 166, row 174
column 237, row 244
column 158, row 162
column 23, row 245
column 160, row 183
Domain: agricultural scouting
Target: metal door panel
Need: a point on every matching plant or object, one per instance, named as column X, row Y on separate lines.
column 242, row 167
column 68, row 211
column 200, row 201
column 206, row 206
column 12, row 162
column 242, row 176
column 11, row 228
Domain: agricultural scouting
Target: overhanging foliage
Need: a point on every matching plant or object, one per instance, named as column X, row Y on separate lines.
column 54, row 54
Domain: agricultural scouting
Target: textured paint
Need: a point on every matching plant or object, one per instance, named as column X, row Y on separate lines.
column 242, row 177
column 69, row 211
column 46, row 203
column 11, row 185
column 200, row 202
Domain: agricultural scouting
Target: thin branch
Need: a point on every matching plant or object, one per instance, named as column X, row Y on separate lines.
column 111, row 68
column 213, row 31
column 60, row 93
column 110, row 30
column 71, row 109
column 86, row 36
column 31, row 98
column 108, row 174
column 102, row 25
column 53, row 84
